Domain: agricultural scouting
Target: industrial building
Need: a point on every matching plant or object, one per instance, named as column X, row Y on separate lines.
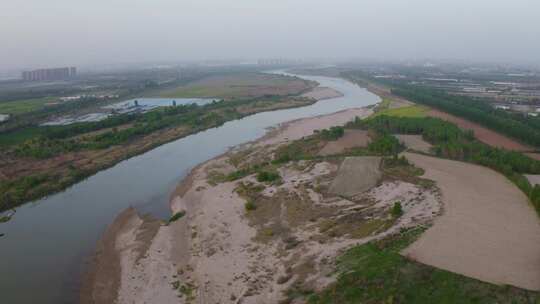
column 49, row 74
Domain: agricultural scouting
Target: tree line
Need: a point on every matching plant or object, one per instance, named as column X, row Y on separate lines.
column 526, row 130
column 451, row 142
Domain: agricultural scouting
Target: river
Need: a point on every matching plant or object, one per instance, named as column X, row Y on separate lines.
column 48, row 242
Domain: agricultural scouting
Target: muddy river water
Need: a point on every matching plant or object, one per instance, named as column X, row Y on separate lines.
column 48, row 242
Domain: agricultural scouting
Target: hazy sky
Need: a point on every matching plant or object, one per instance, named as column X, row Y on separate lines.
column 81, row 32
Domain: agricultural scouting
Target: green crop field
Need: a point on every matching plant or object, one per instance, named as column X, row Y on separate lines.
column 237, row 86
column 410, row 111
column 24, row 106
column 13, row 138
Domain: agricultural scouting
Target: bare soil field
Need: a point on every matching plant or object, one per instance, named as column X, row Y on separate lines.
column 351, row 139
column 489, row 230
column 356, row 175
column 483, row 134
column 414, row 142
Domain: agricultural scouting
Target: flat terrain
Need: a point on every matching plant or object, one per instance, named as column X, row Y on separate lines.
column 414, row 142
column 351, row 139
column 246, row 85
column 483, row 134
column 489, row 230
column 404, row 110
column 23, row 106
column 356, row 175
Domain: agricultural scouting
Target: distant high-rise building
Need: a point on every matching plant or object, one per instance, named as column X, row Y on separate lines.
column 49, row 74
column 276, row 61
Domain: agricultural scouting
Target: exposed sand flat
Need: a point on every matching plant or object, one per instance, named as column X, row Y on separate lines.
column 488, row 231
column 321, row 93
column 351, row 139
column 102, row 282
column 414, row 142
column 297, row 129
column 356, row 175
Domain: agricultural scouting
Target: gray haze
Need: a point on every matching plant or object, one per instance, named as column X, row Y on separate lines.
column 38, row 33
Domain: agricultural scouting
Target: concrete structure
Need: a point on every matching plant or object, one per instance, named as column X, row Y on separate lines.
column 49, row 74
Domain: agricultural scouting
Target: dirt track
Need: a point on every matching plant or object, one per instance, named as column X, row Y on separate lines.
column 489, row 230
column 483, row 134
column 351, row 139
column 414, row 142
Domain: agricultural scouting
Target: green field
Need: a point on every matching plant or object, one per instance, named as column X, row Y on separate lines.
column 410, row 111
column 377, row 273
column 194, row 91
column 14, row 138
column 24, row 106
column 234, row 85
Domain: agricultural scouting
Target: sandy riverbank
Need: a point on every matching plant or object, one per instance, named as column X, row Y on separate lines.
column 322, row 93
column 221, row 253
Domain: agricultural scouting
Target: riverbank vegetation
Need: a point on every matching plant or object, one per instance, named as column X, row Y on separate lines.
column 235, row 86
column 526, row 130
column 409, row 111
column 376, row 273
column 451, row 142
column 448, row 140
column 39, row 161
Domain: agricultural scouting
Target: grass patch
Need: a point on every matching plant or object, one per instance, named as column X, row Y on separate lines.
column 19, row 136
column 384, row 104
column 302, row 149
column 233, row 86
column 178, row 215
column 5, row 219
column 397, row 210
column 194, row 91
column 331, row 134
column 267, row 176
column 377, row 273
column 411, row 111
column 399, row 168
column 371, row 227
column 250, row 205
column 23, row 106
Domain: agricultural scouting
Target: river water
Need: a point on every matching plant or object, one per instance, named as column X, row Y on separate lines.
column 48, row 242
